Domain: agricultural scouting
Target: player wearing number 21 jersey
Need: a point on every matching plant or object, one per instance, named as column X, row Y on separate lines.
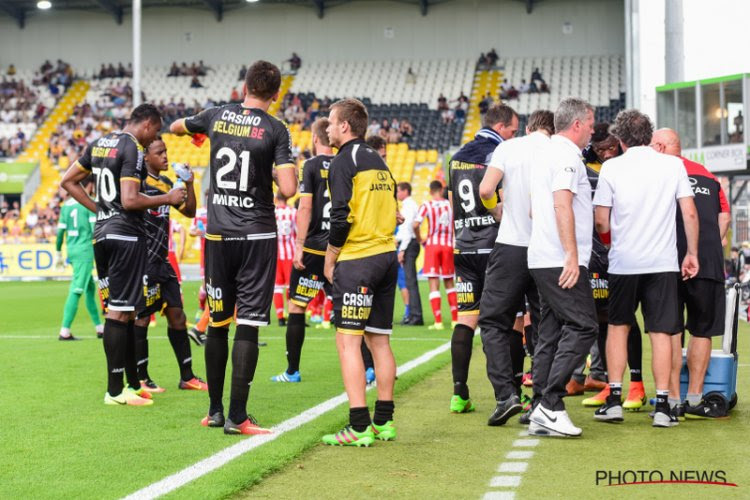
column 249, row 150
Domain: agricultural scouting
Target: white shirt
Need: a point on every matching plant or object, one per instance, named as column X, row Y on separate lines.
column 561, row 169
column 515, row 158
column 642, row 187
column 405, row 232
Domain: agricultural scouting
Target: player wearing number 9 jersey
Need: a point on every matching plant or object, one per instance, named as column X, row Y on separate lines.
column 246, row 143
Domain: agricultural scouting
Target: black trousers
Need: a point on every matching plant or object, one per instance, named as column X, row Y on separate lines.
column 410, row 273
column 567, row 330
column 506, row 284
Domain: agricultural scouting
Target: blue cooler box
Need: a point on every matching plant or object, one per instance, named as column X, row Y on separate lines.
column 720, row 385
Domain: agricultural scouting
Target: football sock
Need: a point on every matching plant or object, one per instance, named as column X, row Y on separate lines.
column 435, row 303
column 367, row 356
column 461, row 347
column 453, row 303
column 383, row 412
column 359, row 418
column 244, row 362
column 70, row 310
column 615, row 389
column 295, row 338
column 635, row 353
column 673, row 402
column 141, row 351
column 114, row 340
column 131, row 365
column 517, row 356
column 528, row 338
column 181, row 348
column 278, row 302
column 693, row 399
column 217, row 353
column 662, row 398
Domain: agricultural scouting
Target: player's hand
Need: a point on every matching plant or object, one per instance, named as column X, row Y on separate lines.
column 192, row 174
column 570, row 272
column 297, row 261
column 690, row 267
column 328, row 270
column 177, row 196
column 60, row 262
column 401, row 257
column 399, row 218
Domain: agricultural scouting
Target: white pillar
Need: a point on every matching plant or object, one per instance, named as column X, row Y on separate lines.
column 136, row 52
column 674, row 47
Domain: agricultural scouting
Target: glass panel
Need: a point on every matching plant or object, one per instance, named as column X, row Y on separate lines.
column 665, row 111
column 686, row 122
column 735, row 119
column 712, row 115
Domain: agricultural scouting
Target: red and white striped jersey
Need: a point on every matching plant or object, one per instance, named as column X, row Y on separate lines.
column 439, row 215
column 286, row 230
column 199, row 222
column 174, row 227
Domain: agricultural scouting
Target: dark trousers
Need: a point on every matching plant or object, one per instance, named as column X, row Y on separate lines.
column 506, row 284
column 410, row 273
column 567, row 329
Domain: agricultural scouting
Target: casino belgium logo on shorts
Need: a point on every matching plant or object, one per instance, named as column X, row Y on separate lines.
column 357, row 305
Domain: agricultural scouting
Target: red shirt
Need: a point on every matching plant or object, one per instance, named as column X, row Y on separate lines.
column 439, row 215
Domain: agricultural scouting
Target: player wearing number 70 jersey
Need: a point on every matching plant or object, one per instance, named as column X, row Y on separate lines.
column 249, row 150
column 438, row 260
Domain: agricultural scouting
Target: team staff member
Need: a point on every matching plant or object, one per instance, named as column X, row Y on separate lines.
column 558, row 256
column 361, row 263
column 408, row 251
column 643, row 266
column 313, row 223
column 246, row 143
column 120, row 243
column 508, row 279
column 163, row 292
column 75, row 227
column 702, row 297
column 475, row 229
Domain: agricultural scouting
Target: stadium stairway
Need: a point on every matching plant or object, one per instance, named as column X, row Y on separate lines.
column 484, row 81
column 36, row 151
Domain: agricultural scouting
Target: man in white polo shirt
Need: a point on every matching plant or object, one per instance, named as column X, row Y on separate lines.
column 559, row 253
column 507, row 279
column 639, row 191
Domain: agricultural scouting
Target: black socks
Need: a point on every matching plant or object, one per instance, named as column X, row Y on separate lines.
column 115, row 340
column 217, row 353
column 359, row 418
column 181, row 347
column 461, row 346
column 635, row 353
column 295, row 338
column 517, row 355
column 383, row 412
column 244, row 362
column 141, row 351
column 131, row 367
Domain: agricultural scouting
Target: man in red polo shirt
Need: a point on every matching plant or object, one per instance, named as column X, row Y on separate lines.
column 703, row 297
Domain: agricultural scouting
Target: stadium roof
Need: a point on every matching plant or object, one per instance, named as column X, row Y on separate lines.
column 21, row 9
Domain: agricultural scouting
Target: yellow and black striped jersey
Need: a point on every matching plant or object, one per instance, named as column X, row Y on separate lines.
column 363, row 202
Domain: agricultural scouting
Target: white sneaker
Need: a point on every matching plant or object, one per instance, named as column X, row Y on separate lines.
column 546, row 422
column 662, row 419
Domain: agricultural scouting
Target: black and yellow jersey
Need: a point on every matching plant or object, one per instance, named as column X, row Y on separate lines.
column 245, row 145
column 363, row 202
column 157, row 219
column 314, row 182
column 113, row 158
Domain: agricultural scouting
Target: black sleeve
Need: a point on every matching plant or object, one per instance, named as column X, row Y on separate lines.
column 306, row 181
column 132, row 160
column 85, row 159
column 283, row 145
column 201, row 122
column 340, row 181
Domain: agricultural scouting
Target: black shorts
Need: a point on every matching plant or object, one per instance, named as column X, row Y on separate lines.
column 162, row 289
column 657, row 294
column 705, row 302
column 121, row 269
column 304, row 285
column 241, row 274
column 470, row 270
column 364, row 291
column 600, row 289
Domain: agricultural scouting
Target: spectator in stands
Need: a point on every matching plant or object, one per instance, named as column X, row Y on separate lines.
column 533, row 88
column 45, row 67
column 492, row 58
column 483, row 63
column 102, row 72
column 174, row 70
column 485, row 103
column 202, row 68
column 373, row 129
column 195, row 83
column 442, row 103
column 394, row 136
column 411, row 76
column 194, row 70
column 536, row 76
column 121, row 73
column 111, row 71
column 243, row 72
column 406, row 129
column 524, row 88
column 235, row 96
column 184, row 70
column 32, row 219
column 11, row 70
column 4, row 209
column 294, row 62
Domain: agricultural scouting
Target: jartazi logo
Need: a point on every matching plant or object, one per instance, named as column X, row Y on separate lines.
column 642, row 477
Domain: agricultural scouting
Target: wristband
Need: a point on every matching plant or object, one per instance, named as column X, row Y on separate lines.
column 606, row 237
column 491, row 203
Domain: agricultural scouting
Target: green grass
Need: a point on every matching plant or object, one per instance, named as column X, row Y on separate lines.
column 60, row 440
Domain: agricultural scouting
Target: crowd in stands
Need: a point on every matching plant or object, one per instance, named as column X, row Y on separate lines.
column 109, row 71
column 55, row 75
column 195, row 69
column 12, row 146
column 39, row 226
column 18, row 102
column 453, row 110
column 391, row 132
column 488, row 60
column 296, row 110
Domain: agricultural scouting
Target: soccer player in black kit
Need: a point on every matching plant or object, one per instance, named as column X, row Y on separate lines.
column 119, row 239
column 249, row 150
column 163, row 292
column 313, row 224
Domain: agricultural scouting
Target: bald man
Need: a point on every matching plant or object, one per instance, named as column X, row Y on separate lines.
column 703, row 296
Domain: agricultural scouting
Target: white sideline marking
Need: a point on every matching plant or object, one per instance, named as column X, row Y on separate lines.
column 523, row 433
column 519, row 455
column 513, row 467
column 520, row 443
column 505, row 481
column 262, row 339
column 203, row 467
column 499, row 495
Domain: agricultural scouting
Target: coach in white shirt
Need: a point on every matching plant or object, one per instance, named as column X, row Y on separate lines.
column 408, row 251
column 507, row 280
column 637, row 198
column 559, row 252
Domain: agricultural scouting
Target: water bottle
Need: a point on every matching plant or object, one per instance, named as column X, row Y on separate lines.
column 182, row 171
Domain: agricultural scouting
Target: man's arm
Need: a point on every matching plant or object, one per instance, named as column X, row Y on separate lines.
column 488, row 191
column 188, row 208
column 566, row 229
column 133, row 199
column 690, row 266
column 72, row 184
column 183, row 241
column 601, row 219
column 178, row 127
column 725, row 220
column 286, row 178
column 304, row 216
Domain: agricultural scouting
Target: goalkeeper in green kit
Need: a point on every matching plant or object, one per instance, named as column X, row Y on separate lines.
column 76, row 225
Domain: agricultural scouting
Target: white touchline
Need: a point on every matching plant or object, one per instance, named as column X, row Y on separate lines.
column 164, row 337
column 203, row 467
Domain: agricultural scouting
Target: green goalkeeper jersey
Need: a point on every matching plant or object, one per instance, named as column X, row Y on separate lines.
column 76, row 223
